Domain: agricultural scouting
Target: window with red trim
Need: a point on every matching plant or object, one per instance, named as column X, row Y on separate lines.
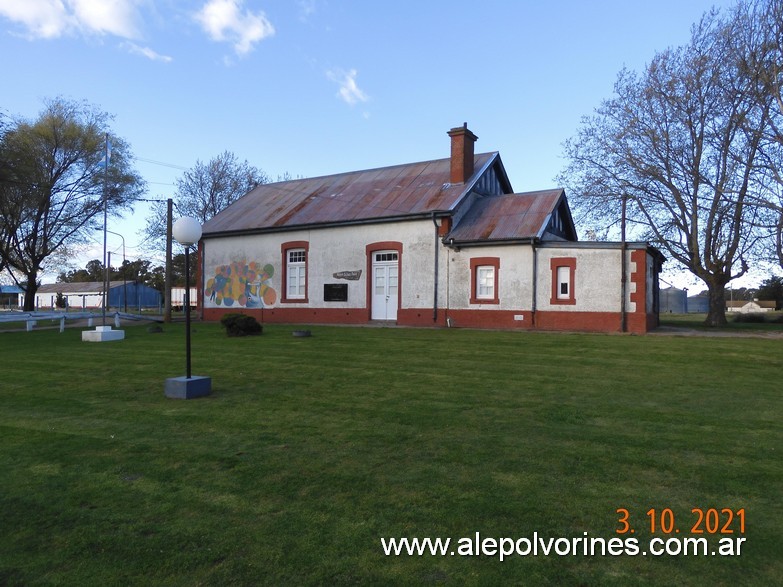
column 294, row 263
column 484, row 274
column 563, row 273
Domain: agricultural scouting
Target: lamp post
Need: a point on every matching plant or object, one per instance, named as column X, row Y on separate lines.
column 187, row 232
column 124, row 279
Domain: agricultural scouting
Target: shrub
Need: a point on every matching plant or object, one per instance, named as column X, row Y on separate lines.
column 240, row 325
column 750, row 318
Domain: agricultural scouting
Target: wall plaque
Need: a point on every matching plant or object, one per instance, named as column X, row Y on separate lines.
column 349, row 275
column 335, row 292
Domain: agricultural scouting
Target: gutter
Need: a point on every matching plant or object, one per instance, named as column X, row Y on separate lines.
column 335, row 224
column 456, row 245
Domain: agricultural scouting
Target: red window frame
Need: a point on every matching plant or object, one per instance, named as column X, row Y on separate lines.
column 284, row 248
column 555, row 264
column 475, row 263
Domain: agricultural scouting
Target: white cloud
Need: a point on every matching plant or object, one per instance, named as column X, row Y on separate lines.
column 349, row 91
column 223, row 20
column 50, row 19
column 146, row 52
column 45, row 19
column 116, row 17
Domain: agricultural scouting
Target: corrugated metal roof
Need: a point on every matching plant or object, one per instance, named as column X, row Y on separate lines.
column 387, row 192
column 507, row 217
column 76, row 287
column 10, row 289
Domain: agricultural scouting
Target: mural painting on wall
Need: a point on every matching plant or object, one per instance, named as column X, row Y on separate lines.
column 241, row 284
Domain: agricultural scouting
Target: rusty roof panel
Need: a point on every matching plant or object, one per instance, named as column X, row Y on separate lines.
column 401, row 190
column 506, row 217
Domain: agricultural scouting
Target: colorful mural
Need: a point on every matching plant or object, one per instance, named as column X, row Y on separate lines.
column 241, row 284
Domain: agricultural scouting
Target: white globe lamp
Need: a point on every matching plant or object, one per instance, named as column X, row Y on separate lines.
column 187, row 232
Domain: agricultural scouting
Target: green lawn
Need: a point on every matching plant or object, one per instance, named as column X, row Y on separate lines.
column 768, row 321
column 310, row 450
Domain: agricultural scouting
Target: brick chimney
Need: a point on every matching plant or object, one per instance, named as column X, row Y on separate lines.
column 461, row 153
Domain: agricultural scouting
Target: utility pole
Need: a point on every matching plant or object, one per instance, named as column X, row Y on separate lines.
column 105, row 220
column 623, row 248
column 167, row 277
column 108, row 278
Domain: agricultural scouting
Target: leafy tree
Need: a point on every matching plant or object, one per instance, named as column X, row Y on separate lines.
column 157, row 278
column 206, row 189
column 93, row 271
column 772, row 289
column 741, row 293
column 9, row 223
column 53, row 184
column 178, row 269
column 138, row 271
column 680, row 143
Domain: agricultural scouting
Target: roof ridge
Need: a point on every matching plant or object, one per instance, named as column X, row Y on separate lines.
column 368, row 170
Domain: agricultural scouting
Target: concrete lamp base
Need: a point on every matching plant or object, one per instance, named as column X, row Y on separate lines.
column 102, row 334
column 184, row 388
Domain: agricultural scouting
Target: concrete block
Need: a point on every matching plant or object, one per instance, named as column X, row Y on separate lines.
column 102, row 334
column 184, row 388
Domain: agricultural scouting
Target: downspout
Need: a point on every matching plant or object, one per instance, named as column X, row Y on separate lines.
column 535, row 284
column 450, row 246
column 435, row 287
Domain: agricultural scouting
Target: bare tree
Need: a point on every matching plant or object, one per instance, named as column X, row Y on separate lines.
column 680, row 143
column 758, row 33
column 53, row 184
column 206, row 189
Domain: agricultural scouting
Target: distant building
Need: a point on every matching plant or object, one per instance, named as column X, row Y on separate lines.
column 9, row 296
column 178, row 297
column 750, row 307
column 674, row 301
column 88, row 295
column 698, row 304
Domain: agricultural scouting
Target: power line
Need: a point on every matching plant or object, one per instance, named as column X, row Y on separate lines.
column 161, row 163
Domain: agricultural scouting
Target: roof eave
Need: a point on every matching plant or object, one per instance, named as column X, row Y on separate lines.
column 450, row 242
column 428, row 215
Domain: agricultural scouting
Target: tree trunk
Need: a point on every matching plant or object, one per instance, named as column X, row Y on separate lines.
column 29, row 293
column 716, row 315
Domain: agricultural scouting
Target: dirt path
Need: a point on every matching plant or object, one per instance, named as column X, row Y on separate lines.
column 682, row 331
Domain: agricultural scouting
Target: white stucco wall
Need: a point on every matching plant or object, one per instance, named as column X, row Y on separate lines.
column 597, row 286
column 333, row 250
column 515, row 277
column 341, row 249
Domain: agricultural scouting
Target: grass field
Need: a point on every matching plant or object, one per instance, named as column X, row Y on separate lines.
column 310, row 450
column 768, row 321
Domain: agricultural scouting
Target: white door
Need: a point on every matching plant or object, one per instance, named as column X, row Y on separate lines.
column 385, row 287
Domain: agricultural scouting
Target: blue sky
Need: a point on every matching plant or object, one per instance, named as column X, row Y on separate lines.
column 314, row 87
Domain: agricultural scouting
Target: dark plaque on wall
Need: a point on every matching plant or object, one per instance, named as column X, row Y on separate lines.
column 335, row 292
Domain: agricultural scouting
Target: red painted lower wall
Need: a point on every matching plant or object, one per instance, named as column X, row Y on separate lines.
column 579, row 321
column 296, row 315
column 489, row 319
column 637, row 323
